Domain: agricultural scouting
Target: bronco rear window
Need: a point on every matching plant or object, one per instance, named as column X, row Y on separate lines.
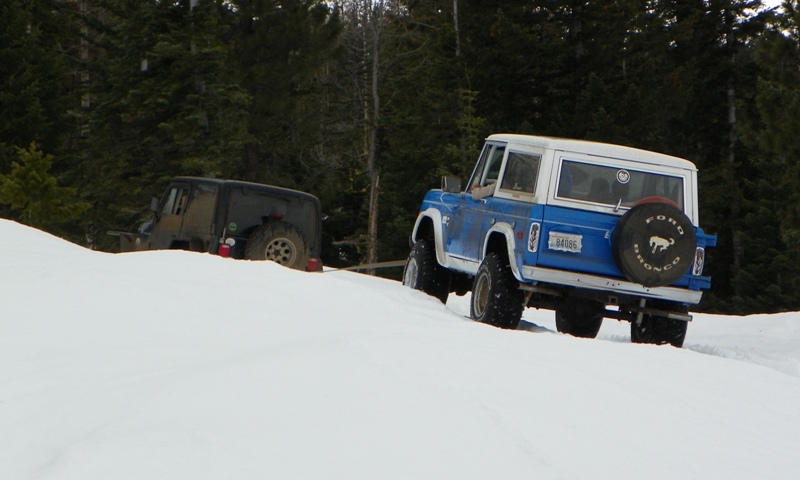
column 614, row 185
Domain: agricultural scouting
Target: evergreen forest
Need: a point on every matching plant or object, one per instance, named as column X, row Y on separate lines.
column 367, row 103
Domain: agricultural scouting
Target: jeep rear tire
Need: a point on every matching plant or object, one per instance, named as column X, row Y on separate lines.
column 580, row 318
column 423, row 272
column 496, row 298
column 654, row 244
column 280, row 242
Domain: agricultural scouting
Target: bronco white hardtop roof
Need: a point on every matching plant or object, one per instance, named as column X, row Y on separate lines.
column 595, row 148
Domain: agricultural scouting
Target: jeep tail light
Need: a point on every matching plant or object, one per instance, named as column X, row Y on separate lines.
column 314, row 265
column 224, row 248
column 276, row 216
column 699, row 261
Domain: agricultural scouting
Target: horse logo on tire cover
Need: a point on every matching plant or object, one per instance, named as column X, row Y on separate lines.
column 660, row 243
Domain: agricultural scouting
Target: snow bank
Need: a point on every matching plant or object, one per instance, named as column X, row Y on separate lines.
column 188, row 366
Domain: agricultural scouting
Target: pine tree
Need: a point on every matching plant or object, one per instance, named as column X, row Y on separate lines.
column 33, row 194
column 163, row 102
column 34, row 77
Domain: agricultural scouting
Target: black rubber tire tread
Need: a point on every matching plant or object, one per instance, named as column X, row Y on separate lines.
column 280, row 242
column 580, row 318
column 661, row 330
column 637, row 252
column 496, row 297
column 422, row 271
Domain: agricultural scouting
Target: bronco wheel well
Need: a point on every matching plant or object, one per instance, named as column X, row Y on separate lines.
column 497, row 244
column 425, row 229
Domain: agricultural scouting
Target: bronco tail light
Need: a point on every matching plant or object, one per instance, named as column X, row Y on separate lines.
column 699, row 261
column 314, row 265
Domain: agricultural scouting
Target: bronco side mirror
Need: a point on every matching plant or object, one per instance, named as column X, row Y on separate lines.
column 451, row 184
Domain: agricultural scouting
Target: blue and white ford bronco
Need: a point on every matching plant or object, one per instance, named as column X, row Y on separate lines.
column 589, row 230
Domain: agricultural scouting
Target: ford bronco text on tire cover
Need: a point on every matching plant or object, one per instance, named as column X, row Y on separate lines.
column 573, row 226
column 233, row 219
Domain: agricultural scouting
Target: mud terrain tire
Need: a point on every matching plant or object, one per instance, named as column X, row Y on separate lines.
column 580, row 319
column 423, row 272
column 280, row 242
column 654, row 244
column 496, row 298
column 659, row 331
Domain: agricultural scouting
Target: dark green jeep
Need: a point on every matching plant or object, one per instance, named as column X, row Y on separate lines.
column 233, row 219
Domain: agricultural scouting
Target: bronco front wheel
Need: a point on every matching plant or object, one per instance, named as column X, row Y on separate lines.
column 496, row 298
column 424, row 273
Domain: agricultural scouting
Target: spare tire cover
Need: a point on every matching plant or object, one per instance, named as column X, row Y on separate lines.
column 654, row 244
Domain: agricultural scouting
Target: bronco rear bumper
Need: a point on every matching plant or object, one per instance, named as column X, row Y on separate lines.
column 611, row 285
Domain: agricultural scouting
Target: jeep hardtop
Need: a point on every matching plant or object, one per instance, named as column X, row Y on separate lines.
column 587, row 229
column 235, row 219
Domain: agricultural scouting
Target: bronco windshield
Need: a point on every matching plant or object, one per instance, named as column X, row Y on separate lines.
column 614, row 185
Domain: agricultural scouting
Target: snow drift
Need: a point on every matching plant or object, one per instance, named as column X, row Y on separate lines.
column 179, row 365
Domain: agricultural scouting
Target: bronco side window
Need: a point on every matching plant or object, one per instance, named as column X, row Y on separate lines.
column 522, row 170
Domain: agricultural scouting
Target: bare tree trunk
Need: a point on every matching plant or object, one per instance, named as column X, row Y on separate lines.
column 455, row 26
column 368, row 19
column 372, row 171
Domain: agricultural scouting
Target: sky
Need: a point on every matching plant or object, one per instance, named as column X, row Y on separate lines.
column 772, row 3
column 180, row 365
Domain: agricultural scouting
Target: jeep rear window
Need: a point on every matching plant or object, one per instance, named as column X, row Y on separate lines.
column 249, row 208
column 612, row 185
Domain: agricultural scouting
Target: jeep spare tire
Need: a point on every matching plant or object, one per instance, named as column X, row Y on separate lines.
column 654, row 244
column 280, row 242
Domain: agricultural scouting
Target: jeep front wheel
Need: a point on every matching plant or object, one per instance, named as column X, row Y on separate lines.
column 496, row 298
column 423, row 272
column 280, row 242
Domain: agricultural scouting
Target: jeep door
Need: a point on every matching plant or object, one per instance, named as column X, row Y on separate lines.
column 169, row 217
column 198, row 220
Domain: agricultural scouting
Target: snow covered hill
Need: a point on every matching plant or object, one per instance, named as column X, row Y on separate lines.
column 176, row 365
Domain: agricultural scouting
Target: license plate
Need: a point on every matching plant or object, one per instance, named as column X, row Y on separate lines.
column 565, row 242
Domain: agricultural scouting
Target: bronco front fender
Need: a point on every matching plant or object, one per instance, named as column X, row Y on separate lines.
column 430, row 222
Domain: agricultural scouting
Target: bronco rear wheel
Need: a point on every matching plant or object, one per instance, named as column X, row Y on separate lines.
column 654, row 244
column 496, row 298
column 580, row 318
column 659, row 331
